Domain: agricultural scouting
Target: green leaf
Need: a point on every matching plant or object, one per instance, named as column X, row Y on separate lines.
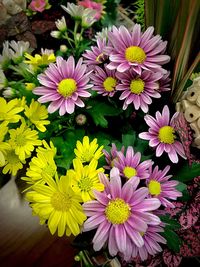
column 129, row 139
column 171, row 224
column 187, row 173
column 173, row 240
column 99, row 110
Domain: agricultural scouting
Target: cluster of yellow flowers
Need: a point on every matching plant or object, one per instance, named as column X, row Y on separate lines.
column 58, row 199
column 18, row 134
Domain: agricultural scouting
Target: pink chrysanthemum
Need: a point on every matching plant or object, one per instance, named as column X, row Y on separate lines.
column 138, row 90
column 161, row 188
column 136, row 50
column 113, row 155
column 63, row 84
column 151, row 245
column 130, row 165
column 162, row 135
column 104, row 81
column 97, row 54
column 120, row 213
column 164, row 83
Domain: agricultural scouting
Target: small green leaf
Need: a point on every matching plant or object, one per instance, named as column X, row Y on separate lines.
column 171, row 224
column 173, row 240
column 187, row 173
column 181, row 187
column 129, row 139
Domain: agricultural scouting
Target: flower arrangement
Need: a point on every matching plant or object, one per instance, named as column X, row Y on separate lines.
column 92, row 131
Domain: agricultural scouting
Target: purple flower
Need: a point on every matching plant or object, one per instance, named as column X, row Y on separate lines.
column 112, row 156
column 136, row 50
column 162, row 135
column 161, row 188
column 151, row 245
column 138, row 90
column 104, row 81
column 120, row 213
column 164, row 83
column 129, row 165
column 63, row 84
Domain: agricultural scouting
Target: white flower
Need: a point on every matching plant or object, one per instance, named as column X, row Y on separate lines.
column 46, row 51
column 61, row 24
column 63, row 48
column 8, row 92
column 18, row 50
column 103, row 34
column 73, row 10
column 88, row 17
column 5, row 57
column 3, row 80
column 55, row 34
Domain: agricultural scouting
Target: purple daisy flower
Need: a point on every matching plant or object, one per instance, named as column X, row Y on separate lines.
column 130, row 166
column 164, row 83
column 120, row 213
column 136, row 50
column 161, row 188
column 162, row 135
column 63, row 84
column 104, row 81
column 151, row 245
column 113, row 155
column 97, row 54
column 138, row 90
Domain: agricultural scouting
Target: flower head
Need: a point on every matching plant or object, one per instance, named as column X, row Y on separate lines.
column 162, row 135
column 104, row 81
column 56, row 202
column 3, row 80
column 61, row 24
column 136, row 50
column 39, row 60
column 88, row 18
column 76, row 11
column 84, row 179
column 87, row 151
column 160, row 187
column 37, row 114
column 9, row 110
column 98, row 7
column 38, row 5
column 113, row 155
column 130, row 166
column 138, row 90
column 120, row 214
column 63, row 84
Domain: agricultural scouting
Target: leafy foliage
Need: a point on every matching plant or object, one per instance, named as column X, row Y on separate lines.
column 187, row 173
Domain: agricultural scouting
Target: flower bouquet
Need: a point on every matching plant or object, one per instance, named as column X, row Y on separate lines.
column 103, row 127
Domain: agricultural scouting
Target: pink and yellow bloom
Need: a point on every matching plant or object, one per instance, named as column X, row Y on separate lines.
column 37, row 5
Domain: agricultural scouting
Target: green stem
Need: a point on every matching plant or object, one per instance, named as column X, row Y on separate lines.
column 75, row 32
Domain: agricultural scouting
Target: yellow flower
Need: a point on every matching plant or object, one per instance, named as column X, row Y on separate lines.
column 87, row 151
column 9, row 110
column 30, row 86
column 23, row 140
column 84, row 179
column 57, row 203
column 40, row 166
column 12, row 162
column 3, row 145
column 50, row 148
column 37, row 114
column 39, row 60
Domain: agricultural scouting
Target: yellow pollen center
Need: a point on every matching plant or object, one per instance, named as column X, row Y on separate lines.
column 60, row 201
column 135, row 54
column 67, row 87
column 154, row 188
column 109, row 84
column 137, row 86
column 100, row 58
column 87, row 156
column 117, row 211
column 85, row 184
column 166, row 135
column 20, row 140
column 129, row 172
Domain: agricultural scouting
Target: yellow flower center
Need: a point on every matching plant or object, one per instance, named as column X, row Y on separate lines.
column 109, row 84
column 49, row 169
column 166, row 135
column 87, row 156
column 100, row 58
column 135, row 54
column 67, row 87
column 12, row 158
column 142, row 233
column 117, row 211
column 129, row 172
column 20, row 140
column 154, row 188
column 137, row 86
column 60, row 201
column 85, row 184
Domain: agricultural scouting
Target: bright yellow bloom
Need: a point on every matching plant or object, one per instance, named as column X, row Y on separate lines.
column 21, row 102
column 9, row 110
column 87, row 151
column 12, row 162
column 37, row 114
column 84, row 179
column 40, row 166
column 57, row 203
column 3, row 145
column 30, row 86
column 23, row 140
column 39, row 60
column 50, row 148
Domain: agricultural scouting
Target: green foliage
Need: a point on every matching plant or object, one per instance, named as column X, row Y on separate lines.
column 111, row 13
column 139, row 13
column 187, row 173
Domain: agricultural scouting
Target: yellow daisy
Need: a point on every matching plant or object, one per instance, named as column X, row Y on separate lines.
column 87, row 151
column 37, row 114
column 40, row 166
column 85, row 178
column 39, row 60
column 57, row 203
column 50, row 148
column 9, row 110
column 3, row 145
column 23, row 140
column 12, row 162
